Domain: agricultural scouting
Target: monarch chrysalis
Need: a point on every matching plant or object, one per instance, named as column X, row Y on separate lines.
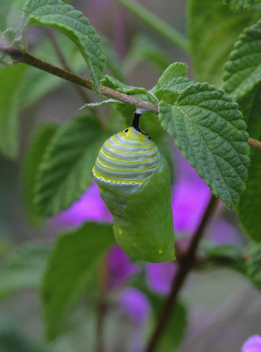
column 134, row 182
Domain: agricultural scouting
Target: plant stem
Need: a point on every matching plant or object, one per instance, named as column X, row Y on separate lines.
column 28, row 59
column 158, row 25
column 81, row 93
column 186, row 263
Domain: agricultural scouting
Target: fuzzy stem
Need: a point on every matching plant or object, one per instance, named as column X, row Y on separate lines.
column 28, row 59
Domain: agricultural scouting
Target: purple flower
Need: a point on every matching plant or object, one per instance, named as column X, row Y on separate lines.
column 160, row 275
column 188, row 204
column 120, row 267
column 190, row 197
column 253, row 344
column 90, row 207
column 224, row 233
column 135, row 305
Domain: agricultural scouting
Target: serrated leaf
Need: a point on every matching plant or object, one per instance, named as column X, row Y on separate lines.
column 23, row 269
column 170, row 90
column 36, row 149
column 66, row 169
column 64, row 18
column 175, row 70
column 137, row 92
column 100, row 103
column 243, row 69
column 69, row 269
column 250, row 202
column 209, row 130
column 144, row 48
column 213, row 30
column 11, row 79
column 240, row 5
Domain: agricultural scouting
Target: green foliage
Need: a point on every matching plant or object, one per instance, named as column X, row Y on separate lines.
column 227, row 256
column 145, row 49
column 23, row 269
column 137, row 92
column 69, row 270
column 65, row 171
column 241, row 5
column 38, row 83
column 176, row 327
column 209, row 130
column 13, row 341
column 36, row 149
column 55, row 14
column 250, row 202
column 10, row 87
column 175, row 70
column 253, row 265
column 175, row 330
column 213, row 31
column 5, row 7
column 114, row 64
column 243, row 70
column 173, row 81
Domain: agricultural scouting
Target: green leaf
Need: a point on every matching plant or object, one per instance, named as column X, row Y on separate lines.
column 55, row 14
column 36, row 149
column 23, row 269
column 250, row 202
column 170, row 91
column 137, row 92
column 145, row 49
column 253, row 265
column 175, row 70
column 213, row 31
column 66, row 168
column 209, row 130
column 240, row 5
column 69, row 270
column 243, row 70
column 10, row 87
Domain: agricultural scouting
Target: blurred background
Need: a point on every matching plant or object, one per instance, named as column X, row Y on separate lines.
column 218, row 310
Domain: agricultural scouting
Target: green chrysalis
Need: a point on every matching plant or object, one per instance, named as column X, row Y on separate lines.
column 134, row 182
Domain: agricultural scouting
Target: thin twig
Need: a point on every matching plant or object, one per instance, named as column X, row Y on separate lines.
column 28, row 59
column 254, row 144
column 185, row 265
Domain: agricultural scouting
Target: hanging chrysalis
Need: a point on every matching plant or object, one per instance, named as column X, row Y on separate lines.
column 134, row 182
